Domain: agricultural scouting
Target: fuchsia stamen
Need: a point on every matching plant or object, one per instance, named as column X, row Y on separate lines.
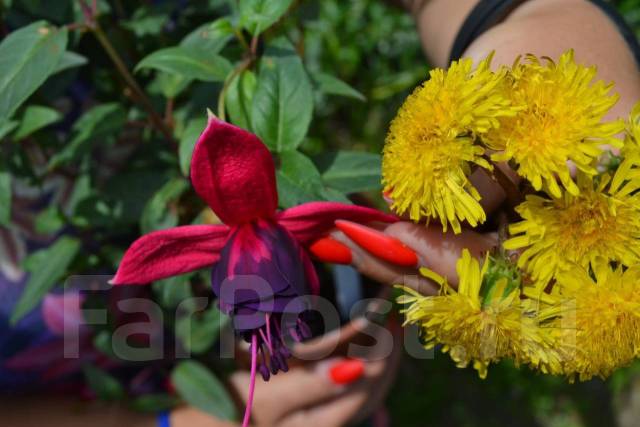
column 268, row 317
column 252, row 383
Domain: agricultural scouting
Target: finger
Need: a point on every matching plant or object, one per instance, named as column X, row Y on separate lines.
column 384, row 272
column 282, row 393
column 439, row 252
column 343, row 409
column 491, row 193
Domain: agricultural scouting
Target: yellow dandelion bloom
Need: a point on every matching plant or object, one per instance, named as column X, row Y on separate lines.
column 481, row 322
column 429, row 150
column 561, row 120
column 601, row 319
column 600, row 224
column 631, row 149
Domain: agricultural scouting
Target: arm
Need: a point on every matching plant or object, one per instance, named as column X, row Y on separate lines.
column 541, row 27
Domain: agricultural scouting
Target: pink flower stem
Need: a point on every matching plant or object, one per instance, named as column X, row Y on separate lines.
column 252, row 382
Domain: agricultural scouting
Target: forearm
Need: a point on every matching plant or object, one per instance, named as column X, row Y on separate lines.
column 541, row 27
column 38, row 411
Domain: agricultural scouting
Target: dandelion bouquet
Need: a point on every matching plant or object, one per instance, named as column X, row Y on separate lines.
column 560, row 294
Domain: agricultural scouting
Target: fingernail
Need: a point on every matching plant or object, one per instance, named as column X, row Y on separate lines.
column 328, row 249
column 346, row 371
column 379, row 244
column 386, row 195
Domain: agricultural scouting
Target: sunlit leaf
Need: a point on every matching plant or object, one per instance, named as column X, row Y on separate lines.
column 258, row 15
column 209, row 38
column 188, row 63
column 334, row 86
column 202, row 390
column 350, row 171
column 188, row 142
column 35, row 118
column 283, row 101
column 27, row 57
column 46, row 267
column 239, row 99
column 298, row 180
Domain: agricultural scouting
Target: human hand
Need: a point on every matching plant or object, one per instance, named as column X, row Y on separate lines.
column 331, row 392
column 393, row 254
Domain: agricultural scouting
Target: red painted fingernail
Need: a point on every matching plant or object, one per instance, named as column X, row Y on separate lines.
column 386, row 195
column 379, row 244
column 346, row 371
column 328, row 249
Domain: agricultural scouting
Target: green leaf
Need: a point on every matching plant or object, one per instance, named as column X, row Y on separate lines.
column 257, row 16
column 49, row 220
column 157, row 214
column 200, row 389
column 350, row 171
column 283, row 101
column 209, row 38
column 239, row 99
column 298, row 180
column 169, row 85
column 173, row 290
column 199, row 331
column 7, row 127
column 334, row 195
column 70, row 60
column 144, row 22
column 27, row 57
column 104, row 344
column 186, row 62
column 97, row 123
column 154, row 402
column 103, row 384
column 47, row 266
column 188, row 142
column 81, row 191
column 334, row 86
column 35, row 118
column 5, row 197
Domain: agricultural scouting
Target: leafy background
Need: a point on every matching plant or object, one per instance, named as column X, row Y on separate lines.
column 109, row 103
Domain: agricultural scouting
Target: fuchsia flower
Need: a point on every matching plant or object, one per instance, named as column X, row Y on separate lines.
column 261, row 268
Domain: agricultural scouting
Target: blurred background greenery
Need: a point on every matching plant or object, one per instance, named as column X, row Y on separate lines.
column 369, row 45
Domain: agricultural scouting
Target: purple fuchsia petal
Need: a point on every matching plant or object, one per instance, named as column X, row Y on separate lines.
column 233, row 171
column 313, row 220
column 261, row 261
column 310, row 272
column 171, row 252
column 261, row 279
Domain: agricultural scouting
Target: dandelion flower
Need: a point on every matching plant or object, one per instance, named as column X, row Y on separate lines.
column 631, row 149
column 561, row 120
column 600, row 224
column 483, row 321
column 601, row 320
column 430, row 151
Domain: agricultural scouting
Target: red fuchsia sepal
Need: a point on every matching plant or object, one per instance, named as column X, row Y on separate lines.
column 234, row 173
column 232, row 170
column 171, row 252
column 312, row 220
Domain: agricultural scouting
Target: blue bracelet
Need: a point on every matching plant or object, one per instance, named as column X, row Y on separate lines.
column 163, row 419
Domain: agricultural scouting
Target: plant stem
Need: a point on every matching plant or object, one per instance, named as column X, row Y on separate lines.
column 514, row 196
column 241, row 38
column 137, row 92
column 254, row 46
